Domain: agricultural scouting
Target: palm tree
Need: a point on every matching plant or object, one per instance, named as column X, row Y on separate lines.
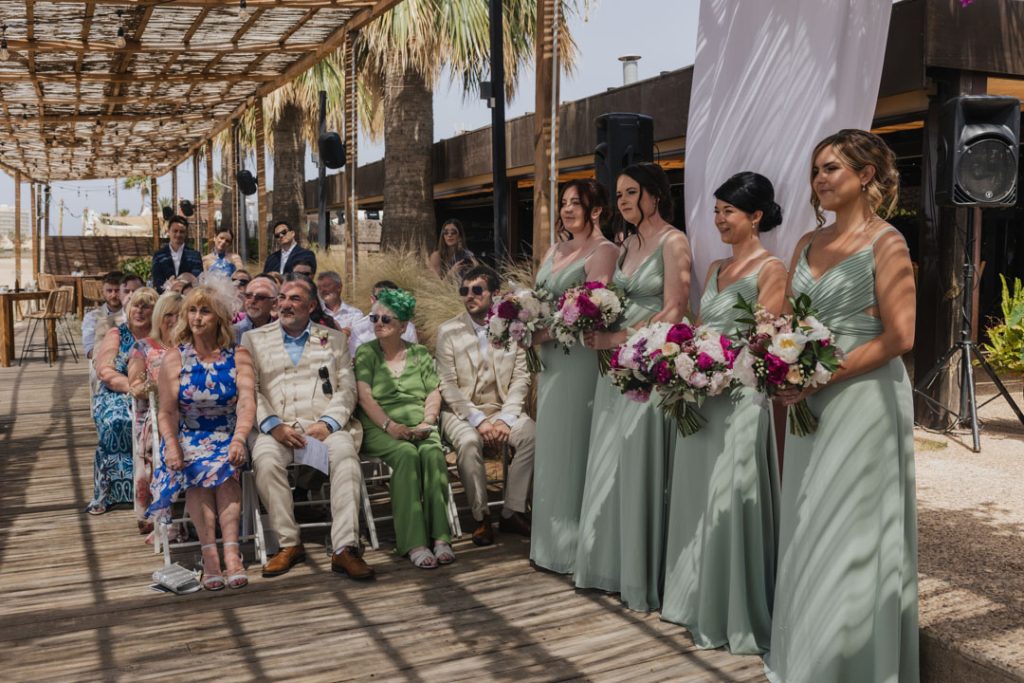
column 400, row 57
column 141, row 183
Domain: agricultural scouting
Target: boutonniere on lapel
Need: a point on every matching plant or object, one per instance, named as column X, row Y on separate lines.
column 321, row 335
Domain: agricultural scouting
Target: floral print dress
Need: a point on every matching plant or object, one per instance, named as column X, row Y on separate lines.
column 112, row 467
column 207, row 396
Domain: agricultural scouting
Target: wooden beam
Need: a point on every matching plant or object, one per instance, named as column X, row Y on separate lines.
column 134, row 47
column 209, row 192
column 261, row 183
column 220, row 4
column 351, row 115
column 100, row 77
column 154, row 207
column 196, row 23
column 17, row 230
column 195, row 199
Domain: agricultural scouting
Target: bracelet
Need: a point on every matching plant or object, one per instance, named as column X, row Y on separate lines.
column 387, row 423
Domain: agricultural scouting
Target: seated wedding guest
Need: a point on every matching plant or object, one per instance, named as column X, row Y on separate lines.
column 288, row 253
column 329, row 285
column 222, row 259
column 181, row 284
column 207, row 405
column 363, row 330
column 288, row 355
column 102, row 325
column 399, row 403
column 111, row 308
column 175, row 257
column 241, row 278
column 112, row 467
column 143, row 370
column 305, row 265
column 260, row 306
column 484, row 389
column 451, row 252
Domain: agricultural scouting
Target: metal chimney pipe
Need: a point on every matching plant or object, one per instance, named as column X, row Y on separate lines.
column 630, row 70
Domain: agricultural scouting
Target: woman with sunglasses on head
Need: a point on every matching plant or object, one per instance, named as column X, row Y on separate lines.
column 565, row 390
column 846, row 594
column 399, row 403
column 622, row 520
column 451, row 252
column 222, row 259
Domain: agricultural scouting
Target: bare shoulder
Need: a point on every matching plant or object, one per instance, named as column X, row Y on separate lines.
column 888, row 237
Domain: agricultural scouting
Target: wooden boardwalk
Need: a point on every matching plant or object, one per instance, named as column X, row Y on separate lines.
column 76, row 604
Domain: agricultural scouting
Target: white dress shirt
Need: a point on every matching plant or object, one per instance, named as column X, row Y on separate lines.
column 176, row 257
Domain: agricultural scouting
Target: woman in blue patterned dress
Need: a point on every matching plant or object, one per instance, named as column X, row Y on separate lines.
column 222, row 259
column 112, row 408
column 207, row 408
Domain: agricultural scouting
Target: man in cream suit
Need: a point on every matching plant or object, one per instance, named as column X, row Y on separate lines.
column 305, row 388
column 484, row 390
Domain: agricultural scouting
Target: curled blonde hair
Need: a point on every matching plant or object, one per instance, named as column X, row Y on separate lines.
column 204, row 295
column 858, row 149
column 143, row 296
column 169, row 302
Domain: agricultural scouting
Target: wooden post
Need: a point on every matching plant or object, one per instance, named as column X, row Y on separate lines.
column 154, row 207
column 351, row 115
column 195, row 200
column 46, row 227
column 17, row 230
column 261, row 183
column 35, row 233
column 209, row 193
column 544, row 140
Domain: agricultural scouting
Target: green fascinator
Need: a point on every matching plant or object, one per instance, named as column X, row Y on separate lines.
column 401, row 303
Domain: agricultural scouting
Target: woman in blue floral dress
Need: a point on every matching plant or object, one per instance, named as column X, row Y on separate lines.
column 207, row 408
column 111, row 409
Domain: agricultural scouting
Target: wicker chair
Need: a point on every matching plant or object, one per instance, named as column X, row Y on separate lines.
column 59, row 304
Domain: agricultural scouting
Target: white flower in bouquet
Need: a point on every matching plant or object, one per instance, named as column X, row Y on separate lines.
column 787, row 346
column 815, row 331
column 821, row 376
column 743, row 368
column 711, row 345
column 719, row 381
column 670, row 349
column 794, row 376
column 698, row 380
column 684, row 365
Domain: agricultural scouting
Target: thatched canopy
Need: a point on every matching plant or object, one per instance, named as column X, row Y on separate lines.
column 74, row 105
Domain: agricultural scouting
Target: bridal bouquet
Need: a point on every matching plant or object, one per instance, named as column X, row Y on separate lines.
column 515, row 317
column 684, row 363
column 592, row 306
column 787, row 352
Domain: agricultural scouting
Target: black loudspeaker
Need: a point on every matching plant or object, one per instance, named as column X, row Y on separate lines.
column 186, row 208
column 246, row 182
column 332, row 150
column 979, row 148
column 168, row 213
column 622, row 140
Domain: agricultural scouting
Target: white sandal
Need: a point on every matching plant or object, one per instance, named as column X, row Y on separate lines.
column 443, row 552
column 423, row 558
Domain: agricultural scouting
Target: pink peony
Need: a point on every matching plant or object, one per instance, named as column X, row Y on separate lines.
column 593, row 284
column 638, row 395
column 679, row 333
column 614, row 360
column 508, row 310
column 705, row 362
column 588, row 309
column 662, row 372
column 777, row 369
column 571, row 314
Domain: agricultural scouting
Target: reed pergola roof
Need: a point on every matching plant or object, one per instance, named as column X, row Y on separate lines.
column 74, row 105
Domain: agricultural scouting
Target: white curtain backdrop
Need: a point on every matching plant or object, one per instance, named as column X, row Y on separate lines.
column 770, row 79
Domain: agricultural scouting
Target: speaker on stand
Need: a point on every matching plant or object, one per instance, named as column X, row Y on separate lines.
column 622, row 140
column 979, row 149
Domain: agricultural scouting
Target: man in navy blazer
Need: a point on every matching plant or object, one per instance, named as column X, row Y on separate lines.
column 288, row 253
column 174, row 258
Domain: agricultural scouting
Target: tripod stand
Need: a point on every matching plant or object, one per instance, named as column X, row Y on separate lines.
column 968, row 351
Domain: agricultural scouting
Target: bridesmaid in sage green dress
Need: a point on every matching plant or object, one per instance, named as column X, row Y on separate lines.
column 846, row 595
column 720, row 547
column 622, row 522
column 565, row 389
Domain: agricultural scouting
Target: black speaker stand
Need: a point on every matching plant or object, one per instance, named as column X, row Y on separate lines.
column 968, row 351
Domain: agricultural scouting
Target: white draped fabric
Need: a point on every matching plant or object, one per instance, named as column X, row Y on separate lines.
column 770, row 79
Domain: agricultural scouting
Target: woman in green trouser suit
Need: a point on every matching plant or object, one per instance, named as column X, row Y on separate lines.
column 846, row 594
column 622, row 521
column 720, row 547
column 565, row 389
column 399, row 403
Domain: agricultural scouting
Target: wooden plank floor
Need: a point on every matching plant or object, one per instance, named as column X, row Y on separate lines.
column 75, row 604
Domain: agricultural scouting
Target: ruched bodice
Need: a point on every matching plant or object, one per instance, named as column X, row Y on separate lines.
column 644, row 289
column 718, row 308
column 556, row 283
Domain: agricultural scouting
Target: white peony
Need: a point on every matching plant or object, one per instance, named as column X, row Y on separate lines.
column 815, row 331
column 712, row 346
column 787, row 346
column 684, row 365
column 719, row 381
column 820, row 376
column 743, row 368
column 698, row 380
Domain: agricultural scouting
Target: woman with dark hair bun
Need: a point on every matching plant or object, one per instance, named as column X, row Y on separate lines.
column 622, row 521
column 720, row 548
column 565, row 390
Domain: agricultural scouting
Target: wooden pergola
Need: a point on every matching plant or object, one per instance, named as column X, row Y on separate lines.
column 94, row 89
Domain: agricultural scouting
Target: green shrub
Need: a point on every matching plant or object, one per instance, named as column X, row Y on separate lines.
column 140, row 265
column 1005, row 350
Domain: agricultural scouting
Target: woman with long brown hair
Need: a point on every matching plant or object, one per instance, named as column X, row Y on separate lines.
column 451, row 252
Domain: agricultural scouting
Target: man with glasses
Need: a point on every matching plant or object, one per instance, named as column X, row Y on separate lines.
column 362, row 329
column 484, row 391
column 328, row 285
column 260, row 305
column 288, row 251
column 305, row 390
column 175, row 257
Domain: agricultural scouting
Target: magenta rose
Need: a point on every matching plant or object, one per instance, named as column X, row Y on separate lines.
column 507, row 310
column 593, row 284
column 588, row 309
column 705, row 362
column 614, row 360
column 679, row 334
column 777, row 369
column 727, row 349
column 662, row 372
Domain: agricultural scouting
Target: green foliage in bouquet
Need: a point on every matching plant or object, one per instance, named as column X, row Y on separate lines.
column 1005, row 350
column 140, row 265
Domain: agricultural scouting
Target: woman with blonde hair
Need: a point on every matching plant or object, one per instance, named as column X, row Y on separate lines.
column 846, row 594
column 143, row 369
column 451, row 252
column 112, row 468
column 207, row 399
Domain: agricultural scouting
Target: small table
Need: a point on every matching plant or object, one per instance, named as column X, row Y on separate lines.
column 7, row 300
column 76, row 282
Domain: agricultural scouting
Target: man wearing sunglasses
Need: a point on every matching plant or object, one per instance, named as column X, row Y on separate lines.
column 260, row 306
column 362, row 329
column 288, row 251
column 305, row 388
column 484, row 391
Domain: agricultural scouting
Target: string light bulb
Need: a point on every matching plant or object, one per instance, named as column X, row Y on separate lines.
column 5, row 54
column 243, row 11
column 120, row 42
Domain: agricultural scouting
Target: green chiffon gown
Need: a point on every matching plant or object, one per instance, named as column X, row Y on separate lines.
column 720, row 547
column 846, row 597
column 622, row 522
column 565, row 403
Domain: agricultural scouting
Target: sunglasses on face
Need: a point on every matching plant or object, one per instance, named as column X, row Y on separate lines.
column 326, row 377
column 240, row 282
column 386, row 319
column 476, row 289
column 280, row 233
column 257, row 297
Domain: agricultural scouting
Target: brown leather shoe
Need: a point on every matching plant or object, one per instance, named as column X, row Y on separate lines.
column 285, row 559
column 518, row 523
column 348, row 562
column 484, row 533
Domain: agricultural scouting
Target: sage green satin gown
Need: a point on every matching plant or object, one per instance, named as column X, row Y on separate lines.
column 622, row 522
column 720, row 547
column 565, row 403
column 846, row 596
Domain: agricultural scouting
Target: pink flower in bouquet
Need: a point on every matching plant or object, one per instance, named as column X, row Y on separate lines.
column 517, row 330
column 777, row 369
column 705, row 362
column 662, row 372
column 593, row 284
column 638, row 395
column 727, row 349
column 571, row 314
column 613, row 361
column 679, row 334
column 587, row 307
column 507, row 310
column 699, row 380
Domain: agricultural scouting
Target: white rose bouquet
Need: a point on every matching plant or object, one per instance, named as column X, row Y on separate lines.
column 515, row 317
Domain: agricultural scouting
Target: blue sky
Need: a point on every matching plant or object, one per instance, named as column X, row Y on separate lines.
column 662, row 32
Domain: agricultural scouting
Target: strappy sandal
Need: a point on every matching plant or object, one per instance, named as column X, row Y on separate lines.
column 443, row 552
column 211, row 581
column 236, row 579
column 423, row 558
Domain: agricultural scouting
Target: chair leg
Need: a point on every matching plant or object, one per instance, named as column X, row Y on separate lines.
column 453, row 515
column 71, row 340
column 27, row 343
column 371, row 523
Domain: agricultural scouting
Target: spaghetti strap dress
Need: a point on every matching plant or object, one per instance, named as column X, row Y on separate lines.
column 565, row 404
column 720, row 547
column 846, row 596
column 622, row 521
